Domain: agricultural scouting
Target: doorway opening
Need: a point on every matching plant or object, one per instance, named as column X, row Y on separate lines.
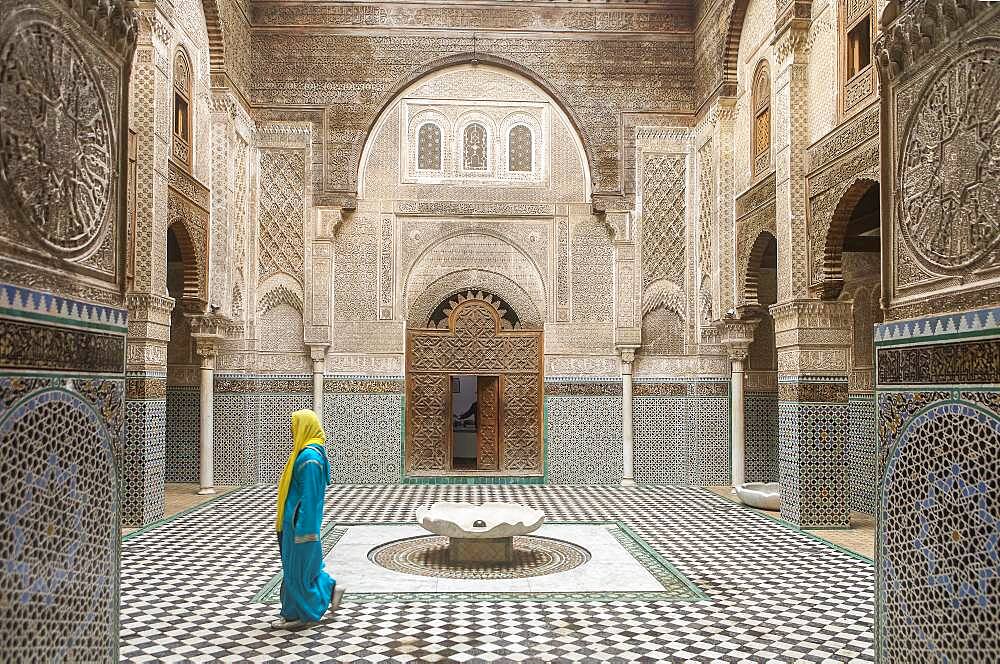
column 474, row 425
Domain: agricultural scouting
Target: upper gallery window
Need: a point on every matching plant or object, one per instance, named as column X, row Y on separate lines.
column 760, row 105
column 474, row 149
column 429, row 147
column 181, row 144
column 519, row 149
column 859, row 46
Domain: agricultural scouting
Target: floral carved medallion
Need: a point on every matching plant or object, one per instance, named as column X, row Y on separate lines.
column 949, row 169
column 55, row 137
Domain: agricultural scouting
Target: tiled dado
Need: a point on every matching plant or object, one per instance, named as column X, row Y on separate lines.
column 761, row 427
column 938, row 436
column 813, row 430
column 681, row 433
column 583, row 439
column 144, row 452
column 862, row 465
column 362, row 417
column 62, row 418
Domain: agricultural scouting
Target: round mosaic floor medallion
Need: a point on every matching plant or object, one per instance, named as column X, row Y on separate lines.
column 428, row 556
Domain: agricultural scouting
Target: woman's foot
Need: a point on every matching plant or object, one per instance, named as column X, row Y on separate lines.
column 285, row 623
column 337, row 596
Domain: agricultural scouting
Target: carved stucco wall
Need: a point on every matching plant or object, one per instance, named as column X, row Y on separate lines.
column 755, row 44
column 351, row 76
column 822, row 70
column 529, row 238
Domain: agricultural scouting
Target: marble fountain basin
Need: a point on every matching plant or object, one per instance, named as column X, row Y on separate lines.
column 762, row 495
column 480, row 533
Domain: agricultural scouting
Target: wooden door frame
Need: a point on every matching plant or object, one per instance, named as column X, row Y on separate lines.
column 502, row 376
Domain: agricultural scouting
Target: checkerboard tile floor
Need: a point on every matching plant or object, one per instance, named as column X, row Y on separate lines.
column 776, row 595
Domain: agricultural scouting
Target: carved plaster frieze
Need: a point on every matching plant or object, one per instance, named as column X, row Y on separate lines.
column 921, row 27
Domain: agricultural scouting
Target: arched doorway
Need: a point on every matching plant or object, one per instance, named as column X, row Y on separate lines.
column 473, row 391
column 183, row 400
column 761, row 400
column 852, row 272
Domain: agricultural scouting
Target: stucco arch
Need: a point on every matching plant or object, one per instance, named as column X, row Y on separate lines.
column 755, row 259
column 460, row 281
column 833, row 248
column 216, row 37
column 731, row 47
column 195, row 280
column 492, row 254
column 420, row 74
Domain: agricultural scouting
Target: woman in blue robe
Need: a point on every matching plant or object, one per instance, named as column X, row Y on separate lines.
column 307, row 591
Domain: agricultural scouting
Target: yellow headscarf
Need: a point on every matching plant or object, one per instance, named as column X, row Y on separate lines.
column 306, row 430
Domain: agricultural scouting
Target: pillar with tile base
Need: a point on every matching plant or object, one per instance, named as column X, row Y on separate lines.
column 628, row 435
column 736, row 337
column 813, row 339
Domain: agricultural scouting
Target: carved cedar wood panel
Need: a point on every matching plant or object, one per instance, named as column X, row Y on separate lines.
column 474, row 343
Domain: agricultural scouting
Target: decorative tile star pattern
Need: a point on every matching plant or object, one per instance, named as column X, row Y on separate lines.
column 775, row 595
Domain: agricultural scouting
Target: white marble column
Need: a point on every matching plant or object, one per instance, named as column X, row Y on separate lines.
column 738, row 419
column 736, row 337
column 628, row 437
column 206, row 469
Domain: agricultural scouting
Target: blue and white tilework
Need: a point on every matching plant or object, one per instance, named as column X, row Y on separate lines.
column 583, row 439
column 862, row 469
column 761, row 427
column 182, row 427
column 364, row 437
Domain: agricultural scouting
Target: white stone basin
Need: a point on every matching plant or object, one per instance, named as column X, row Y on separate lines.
column 762, row 495
column 499, row 520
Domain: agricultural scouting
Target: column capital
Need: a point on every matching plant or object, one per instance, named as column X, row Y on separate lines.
column 736, row 335
column 627, row 354
column 317, row 352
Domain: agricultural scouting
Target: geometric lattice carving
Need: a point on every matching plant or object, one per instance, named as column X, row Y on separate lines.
column 519, row 149
column 58, row 536
column 474, row 148
column 473, row 343
column 761, row 130
column 280, row 212
column 663, row 208
column 429, row 147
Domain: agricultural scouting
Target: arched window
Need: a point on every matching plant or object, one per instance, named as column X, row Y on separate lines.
column 760, row 105
column 429, row 147
column 519, row 149
column 181, row 144
column 474, row 149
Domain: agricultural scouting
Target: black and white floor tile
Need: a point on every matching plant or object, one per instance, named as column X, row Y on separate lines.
column 775, row 595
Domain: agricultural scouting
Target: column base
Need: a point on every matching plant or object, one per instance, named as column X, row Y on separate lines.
column 628, row 481
column 206, row 491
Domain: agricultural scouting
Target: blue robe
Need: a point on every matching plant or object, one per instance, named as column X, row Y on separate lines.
column 306, row 588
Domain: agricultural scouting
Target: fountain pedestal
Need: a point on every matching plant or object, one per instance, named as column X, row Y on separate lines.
column 480, row 533
column 490, row 550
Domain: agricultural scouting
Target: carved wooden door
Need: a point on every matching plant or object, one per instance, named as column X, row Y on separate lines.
column 487, row 422
column 510, row 361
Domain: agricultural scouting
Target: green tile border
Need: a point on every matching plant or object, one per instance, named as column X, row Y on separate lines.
column 668, row 576
column 791, row 526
